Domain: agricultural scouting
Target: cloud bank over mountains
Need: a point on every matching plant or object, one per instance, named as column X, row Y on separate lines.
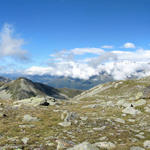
column 127, row 61
column 119, row 64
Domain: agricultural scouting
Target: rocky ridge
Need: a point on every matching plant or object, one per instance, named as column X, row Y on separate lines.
column 23, row 88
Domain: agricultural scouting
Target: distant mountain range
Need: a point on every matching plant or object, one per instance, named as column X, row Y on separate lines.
column 121, row 70
column 66, row 82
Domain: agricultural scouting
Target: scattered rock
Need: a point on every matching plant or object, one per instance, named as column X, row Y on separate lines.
column 131, row 120
column 106, row 145
column 65, row 124
column 140, row 136
column 61, row 144
column 44, row 103
column 27, row 126
column 25, row 140
column 2, row 115
column 91, row 106
column 146, row 144
column 136, row 148
column 139, row 95
column 140, row 102
column 29, row 118
column 49, row 144
column 131, row 111
column 103, row 138
column 99, row 129
column 84, row 118
column 35, row 101
column 119, row 120
column 69, row 117
column 147, row 109
column 133, row 140
column 84, row 146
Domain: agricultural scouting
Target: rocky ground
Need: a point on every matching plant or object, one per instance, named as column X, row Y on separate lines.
column 113, row 116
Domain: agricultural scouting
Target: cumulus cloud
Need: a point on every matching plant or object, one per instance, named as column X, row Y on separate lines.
column 10, row 46
column 107, row 46
column 138, row 55
column 119, row 64
column 81, row 51
column 68, row 69
column 126, row 69
column 129, row 45
column 103, row 58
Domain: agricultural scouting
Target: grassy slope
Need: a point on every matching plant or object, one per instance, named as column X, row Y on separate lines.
column 47, row 129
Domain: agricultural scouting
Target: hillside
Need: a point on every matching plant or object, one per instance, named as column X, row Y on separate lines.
column 4, row 80
column 66, row 82
column 111, row 116
column 22, row 88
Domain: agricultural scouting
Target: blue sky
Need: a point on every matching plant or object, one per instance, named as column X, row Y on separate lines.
column 51, row 26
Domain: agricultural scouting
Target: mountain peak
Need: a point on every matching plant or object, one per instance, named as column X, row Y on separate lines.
column 22, row 88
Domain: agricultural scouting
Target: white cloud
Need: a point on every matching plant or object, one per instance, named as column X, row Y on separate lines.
column 126, row 69
column 11, row 46
column 107, row 46
column 129, row 45
column 118, row 64
column 81, row 51
column 68, row 69
column 138, row 55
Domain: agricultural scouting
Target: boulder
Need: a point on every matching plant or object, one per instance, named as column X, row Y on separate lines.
column 131, row 111
column 35, row 101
